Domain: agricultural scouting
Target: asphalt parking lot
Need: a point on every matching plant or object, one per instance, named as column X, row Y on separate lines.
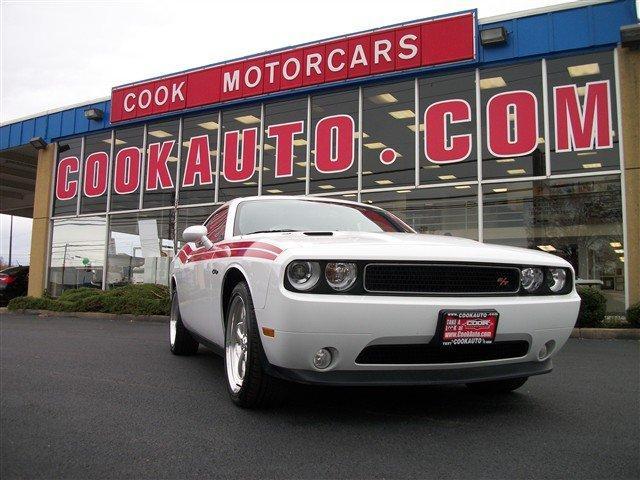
column 85, row 398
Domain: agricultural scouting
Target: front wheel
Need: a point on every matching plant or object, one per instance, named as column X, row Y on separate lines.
column 498, row 386
column 180, row 340
column 248, row 384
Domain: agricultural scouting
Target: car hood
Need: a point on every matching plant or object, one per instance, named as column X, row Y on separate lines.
column 399, row 246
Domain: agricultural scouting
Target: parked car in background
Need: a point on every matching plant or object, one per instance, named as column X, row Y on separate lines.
column 14, row 282
column 333, row 292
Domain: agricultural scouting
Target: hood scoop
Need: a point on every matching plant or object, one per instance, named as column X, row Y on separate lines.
column 318, row 234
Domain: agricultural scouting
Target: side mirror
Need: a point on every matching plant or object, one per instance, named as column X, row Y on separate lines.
column 197, row 234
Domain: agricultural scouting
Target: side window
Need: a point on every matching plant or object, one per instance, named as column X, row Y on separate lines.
column 216, row 226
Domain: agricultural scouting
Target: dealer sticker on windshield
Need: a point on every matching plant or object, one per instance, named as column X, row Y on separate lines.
column 469, row 327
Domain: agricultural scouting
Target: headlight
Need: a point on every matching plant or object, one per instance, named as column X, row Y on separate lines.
column 340, row 276
column 303, row 275
column 531, row 279
column 556, row 279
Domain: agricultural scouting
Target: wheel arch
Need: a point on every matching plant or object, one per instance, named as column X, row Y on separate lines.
column 234, row 275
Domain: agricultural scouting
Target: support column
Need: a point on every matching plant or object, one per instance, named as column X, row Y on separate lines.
column 40, row 227
column 630, row 99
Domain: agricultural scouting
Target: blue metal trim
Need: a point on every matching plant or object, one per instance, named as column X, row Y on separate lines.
column 577, row 30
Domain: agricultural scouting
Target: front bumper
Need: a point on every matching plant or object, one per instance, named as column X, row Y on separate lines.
column 304, row 323
column 413, row 377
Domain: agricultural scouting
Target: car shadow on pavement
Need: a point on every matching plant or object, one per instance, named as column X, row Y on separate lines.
column 445, row 403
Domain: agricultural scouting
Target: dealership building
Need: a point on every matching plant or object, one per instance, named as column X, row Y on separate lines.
column 519, row 130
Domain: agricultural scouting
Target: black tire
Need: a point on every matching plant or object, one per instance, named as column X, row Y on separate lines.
column 258, row 389
column 183, row 343
column 498, row 386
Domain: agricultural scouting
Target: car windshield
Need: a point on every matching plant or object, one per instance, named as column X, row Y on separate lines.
column 259, row 216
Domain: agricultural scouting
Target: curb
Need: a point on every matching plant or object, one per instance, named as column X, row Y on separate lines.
column 606, row 333
column 109, row 316
column 582, row 333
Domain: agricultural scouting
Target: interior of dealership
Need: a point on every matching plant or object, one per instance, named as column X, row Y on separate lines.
column 113, row 216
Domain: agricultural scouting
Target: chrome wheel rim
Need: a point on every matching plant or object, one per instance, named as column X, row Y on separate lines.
column 236, row 344
column 173, row 322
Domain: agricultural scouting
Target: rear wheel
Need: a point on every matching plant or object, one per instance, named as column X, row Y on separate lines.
column 498, row 386
column 180, row 340
column 248, row 384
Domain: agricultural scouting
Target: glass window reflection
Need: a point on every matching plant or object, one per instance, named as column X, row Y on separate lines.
column 77, row 253
column 141, row 247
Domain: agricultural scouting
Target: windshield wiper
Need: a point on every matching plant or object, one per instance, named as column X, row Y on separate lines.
column 276, row 230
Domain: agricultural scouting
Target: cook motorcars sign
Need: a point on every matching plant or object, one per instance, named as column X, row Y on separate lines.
column 426, row 43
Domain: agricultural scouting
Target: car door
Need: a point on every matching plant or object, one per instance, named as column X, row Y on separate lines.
column 202, row 272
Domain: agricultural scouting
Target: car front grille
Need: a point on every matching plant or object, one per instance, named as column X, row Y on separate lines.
column 411, row 354
column 440, row 278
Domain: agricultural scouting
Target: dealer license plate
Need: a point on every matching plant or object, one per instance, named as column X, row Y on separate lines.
column 469, row 327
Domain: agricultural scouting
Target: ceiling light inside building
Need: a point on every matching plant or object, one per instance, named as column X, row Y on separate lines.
column 403, row 191
column 160, row 134
column 584, row 70
column 547, row 248
column 383, row 98
column 326, row 187
column 274, row 190
column 412, row 127
column 357, row 135
column 172, row 159
column 118, row 141
column 581, row 91
column 249, row 184
column 619, row 250
column 375, row 145
column 447, row 177
column 367, row 172
column 301, row 164
column 505, row 160
column 299, row 142
column 248, row 119
column 350, row 195
column 592, row 165
column 517, row 171
column 492, row 82
column 462, row 187
column 582, row 154
column 615, row 244
column 384, row 181
column 402, row 114
column 209, row 125
column 499, row 190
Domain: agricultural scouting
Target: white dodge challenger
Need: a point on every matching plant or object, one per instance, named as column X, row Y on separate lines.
column 340, row 293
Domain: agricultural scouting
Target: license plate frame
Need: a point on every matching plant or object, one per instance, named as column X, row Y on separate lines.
column 455, row 329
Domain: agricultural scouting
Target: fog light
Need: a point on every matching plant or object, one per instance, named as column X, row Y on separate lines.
column 543, row 352
column 322, row 358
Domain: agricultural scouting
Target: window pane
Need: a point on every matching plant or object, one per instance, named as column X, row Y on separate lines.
column 388, row 138
column 284, row 139
column 127, row 169
column 161, row 164
column 441, row 211
column 188, row 217
column 96, row 166
column 579, row 219
column 241, row 137
column 140, row 248
column 517, row 83
column 344, row 104
column 450, row 159
column 65, row 200
column 198, row 163
column 77, row 253
column 582, row 152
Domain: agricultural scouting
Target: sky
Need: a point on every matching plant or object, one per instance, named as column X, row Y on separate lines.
column 61, row 52
column 55, row 53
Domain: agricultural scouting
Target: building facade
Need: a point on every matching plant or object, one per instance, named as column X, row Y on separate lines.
column 519, row 130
